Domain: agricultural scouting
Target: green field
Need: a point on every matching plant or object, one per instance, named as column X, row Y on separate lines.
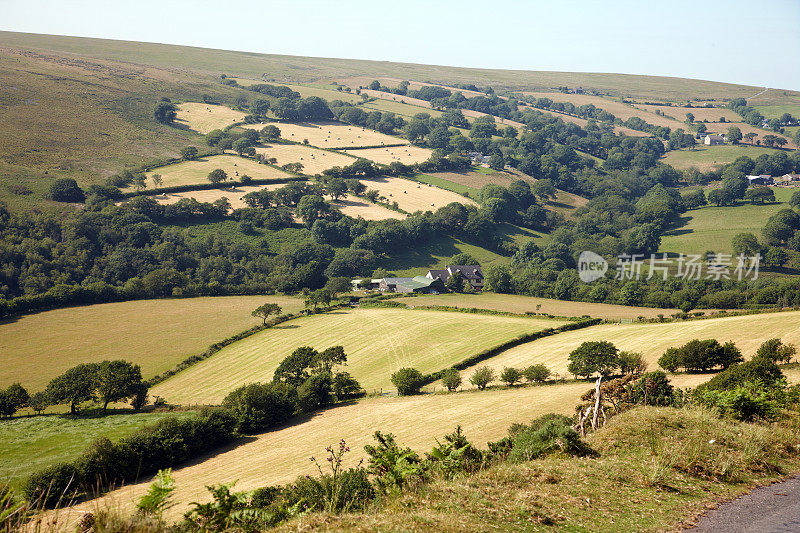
column 156, row 334
column 708, row 157
column 28, row 444
column 652, row 340
column 513, row 303
column 712, row 228
column 776, row 110
column 377, row 342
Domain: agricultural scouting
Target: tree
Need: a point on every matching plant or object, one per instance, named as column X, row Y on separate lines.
column 217, row 176
column 74, row 386
column 749, row 136
column 157, row 180
column 270, row 132
column 139, row 182
column 456, row 282
column 311, row 207
column 265, row 311
column 482, row 377
column 776, row 351
column 189, row 153
column 243, row 146
column 745, row 244
column 672, row 360
column 451, row 378
column 510, row 376
column 408, row 381
column 294, row 368
column 593, row 356
column 760, row 195
column 337, row 188
column 66, row 190
column 39, row 402
column 165, row 112
column 544, row 189
column 632, row 363
column 14, row 398
column 537, row 373
column 734, row 134
column 260, row 107
column 116, row 381
column 329, row 358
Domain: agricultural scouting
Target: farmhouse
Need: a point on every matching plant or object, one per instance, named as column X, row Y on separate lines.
column 419, row 284
column 472, row 273
column 763, row 179
column 712, row 140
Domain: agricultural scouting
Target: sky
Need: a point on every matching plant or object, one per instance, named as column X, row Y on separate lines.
column 749, row 42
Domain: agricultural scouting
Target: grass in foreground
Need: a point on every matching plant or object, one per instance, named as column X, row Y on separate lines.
column 156, row 334
column 712, row 228
column 28, row 444
column 377, row 342
column 656, row 469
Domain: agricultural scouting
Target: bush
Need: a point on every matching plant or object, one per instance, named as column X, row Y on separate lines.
column 482, row 377
column 537, row 373
column 758, row 369
column 408, row 381
column 315, row 392
column 261, row 406
column 66, row 190
column 456, row 455
column 351, row 491
column 392, row 465
column 510, row 376
column 54, row 485
column 745, row 403
column 652, row 388
column 451, row 378
column 546, row 435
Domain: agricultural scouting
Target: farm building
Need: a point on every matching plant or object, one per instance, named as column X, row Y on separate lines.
column 712, row 140
column 763, row 179
column 369, row 285
column 472, row 273
column 420, row 284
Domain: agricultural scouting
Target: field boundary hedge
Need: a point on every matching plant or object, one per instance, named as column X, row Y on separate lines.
column 522, row 339
column 209, row 186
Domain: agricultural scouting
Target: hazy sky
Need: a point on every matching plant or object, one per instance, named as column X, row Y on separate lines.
column 742, row 41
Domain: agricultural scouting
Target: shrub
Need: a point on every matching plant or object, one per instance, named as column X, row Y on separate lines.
column 451, row 378
column 745, row 402
column 593, row 356
column 546, row 435
column 53, row 485
column 652, row 388
column 455, row 455
column 671, row 360
column 316, row 391
column 261, row 406
column 482, row 377
column 66, row 190
column 538, row 373
column 408, row 381
column 510, row 376
column 345, row 387
column 632, row 363
column 392, row 465
column 758, row 369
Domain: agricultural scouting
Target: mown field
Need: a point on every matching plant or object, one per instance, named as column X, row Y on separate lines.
column 197, row 171
column 282, row 455
column 712, row 228
column 355, row 207
column 314, row 160
column 330, row 134
column 28, row 444
column 377, row 342
column 234, row 194
column 527, row 304
column 156, row 334
column 412, row 196
column 408, row 155
column 709, row 157
column 203, row 117
column 652, row 340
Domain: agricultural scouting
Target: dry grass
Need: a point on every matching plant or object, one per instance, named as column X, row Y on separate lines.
column 407, row 155
column 652, row 340
column 203, row 118
column 412, row 196
column 197, row 171
column 398, row 108
column 526, row 304
column 314, row 160
column 234, row 195
column 711, row 114
column 281, row 456
column 377, row 342
column 156, row 334
column 331, row 134
column 356, row 207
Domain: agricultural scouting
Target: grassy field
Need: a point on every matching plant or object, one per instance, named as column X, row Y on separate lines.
column 331, row 134
column 527, row 304
column 234, row 194
column 28, row 444
column 377, row 342
column 197, row 171
column 399, row 108
column 652, row 340
column 408, row 155
column 314, row 160
column 412, row 196
column 156, row 334
column 203, row 118
column 281, row 456
column 678, row 114
column 712, row 228
column 327, row 92
column 708, row 157
column 355, row 207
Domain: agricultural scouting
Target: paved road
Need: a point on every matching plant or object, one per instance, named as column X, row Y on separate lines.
column 775, row 508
